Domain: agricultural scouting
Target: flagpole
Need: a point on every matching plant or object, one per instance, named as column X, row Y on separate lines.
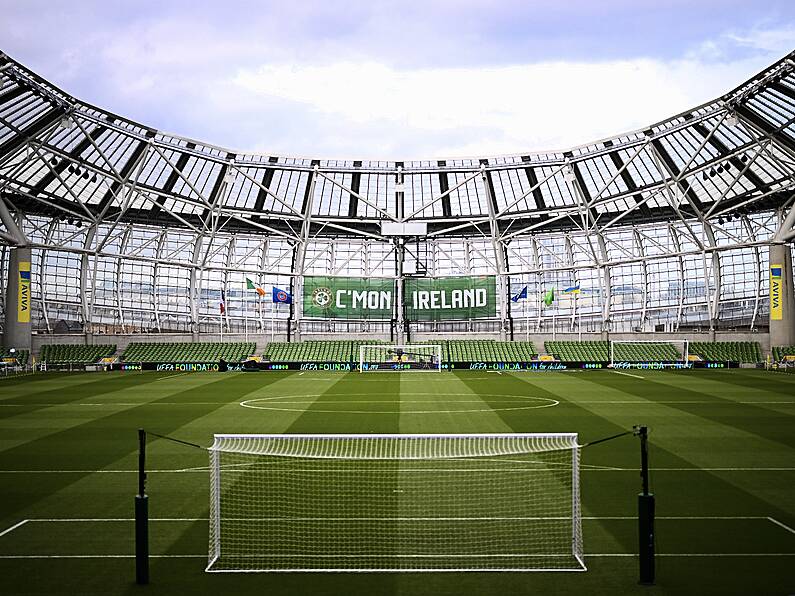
column 273, row 309
column 245, row 313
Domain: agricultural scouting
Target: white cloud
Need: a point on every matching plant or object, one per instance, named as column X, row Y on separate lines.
column 778, row 40
column 510, row 109
column 307, row 103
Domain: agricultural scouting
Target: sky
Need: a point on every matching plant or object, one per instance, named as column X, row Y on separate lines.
column 396, row 80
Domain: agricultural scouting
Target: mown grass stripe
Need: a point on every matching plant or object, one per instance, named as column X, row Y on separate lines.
column 754, row 420
column 100, row 442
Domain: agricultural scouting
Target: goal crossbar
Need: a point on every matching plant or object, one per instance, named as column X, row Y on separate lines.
column 390, row 502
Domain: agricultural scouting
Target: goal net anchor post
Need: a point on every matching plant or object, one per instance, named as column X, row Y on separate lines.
column 141, row 516
column 645, row 513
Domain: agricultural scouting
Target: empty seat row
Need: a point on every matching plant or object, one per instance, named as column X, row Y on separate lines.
column 579, row 351
column 74, row 353
column 316, row 351
column 188, row 352
column 452, row 351
column 599, row 351
column 727, row 351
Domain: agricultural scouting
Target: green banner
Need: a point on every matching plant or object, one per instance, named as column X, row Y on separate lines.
column 450, row 298
column 348, row 298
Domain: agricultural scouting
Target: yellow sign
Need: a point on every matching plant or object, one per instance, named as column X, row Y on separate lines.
column 776, row 297
column 23, row 304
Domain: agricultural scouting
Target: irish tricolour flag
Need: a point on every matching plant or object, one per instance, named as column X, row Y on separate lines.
column 250, row 285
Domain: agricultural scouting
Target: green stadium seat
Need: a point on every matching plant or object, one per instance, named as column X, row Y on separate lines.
column 728, row 351
column 188, row 352
column 74, row 353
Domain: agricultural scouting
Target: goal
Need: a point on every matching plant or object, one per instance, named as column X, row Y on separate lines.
column 656, row 353
column 405, row 357
column 478, row 502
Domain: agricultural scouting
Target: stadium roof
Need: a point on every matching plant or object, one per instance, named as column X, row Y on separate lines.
column 62, row 157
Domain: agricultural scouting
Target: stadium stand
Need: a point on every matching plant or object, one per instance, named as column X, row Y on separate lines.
column 599, row 351
column 487, row 350
column 780, row 351
column 452, row 351
column 727, row 351
column 645, row 352
column 20, row 355
column 188, row 352
column 316, row 351
column 579, row 351
column 75, row 354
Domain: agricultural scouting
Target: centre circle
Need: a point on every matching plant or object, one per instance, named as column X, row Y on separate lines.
column 510, row 402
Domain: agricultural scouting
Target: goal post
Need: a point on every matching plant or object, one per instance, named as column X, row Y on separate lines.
column 381, row 503
column 400, row 357
column 664, row 353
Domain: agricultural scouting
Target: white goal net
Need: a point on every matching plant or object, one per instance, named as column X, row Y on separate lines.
column 662, row 353
column 405, row 357
column 481, row 502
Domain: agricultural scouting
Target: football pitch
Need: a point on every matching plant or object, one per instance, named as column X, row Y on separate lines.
column 722, row 456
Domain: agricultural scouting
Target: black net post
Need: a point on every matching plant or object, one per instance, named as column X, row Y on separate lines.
column 141, row 516
column 645, row 513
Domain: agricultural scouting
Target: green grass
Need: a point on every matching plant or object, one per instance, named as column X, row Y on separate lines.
column 722, row 457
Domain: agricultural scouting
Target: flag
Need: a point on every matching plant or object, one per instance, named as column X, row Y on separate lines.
column 281, row 296
column 222, row 304
column 521, row 295
column 572, row 290
column 250, row 285
column 549, row 297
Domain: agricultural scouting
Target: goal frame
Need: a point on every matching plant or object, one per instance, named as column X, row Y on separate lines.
column 576, row 509
column 685, row 350
column 437, row 352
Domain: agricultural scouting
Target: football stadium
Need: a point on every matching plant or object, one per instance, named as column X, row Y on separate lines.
column 241, row 373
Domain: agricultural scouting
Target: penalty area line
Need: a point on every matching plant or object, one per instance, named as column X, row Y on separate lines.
column 14, row 527
column 782, row 525
column 618, row 372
